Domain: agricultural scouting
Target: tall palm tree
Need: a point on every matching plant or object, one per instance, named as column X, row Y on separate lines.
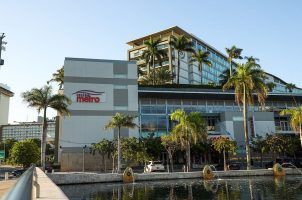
column 224, row 76
column 181, row 44
column 58, row 77
column 41, row 99
column 290, row 86
column 118, row 121
column 201, row 57
column 152, row 54
column 295, row 119
column 270, row 86
column 162, row 77
column 190, row 129
column 247, row 81
column 233, row 53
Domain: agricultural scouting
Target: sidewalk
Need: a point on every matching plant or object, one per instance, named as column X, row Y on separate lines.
column 5, row 186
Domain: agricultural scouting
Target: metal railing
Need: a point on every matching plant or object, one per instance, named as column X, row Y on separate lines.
column 23, row 188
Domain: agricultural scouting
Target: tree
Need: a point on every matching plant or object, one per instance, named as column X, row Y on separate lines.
column 290, row 87
column 201, row 57
column 271, row 86
column 58, row 77
column 295, row 115
column 25, row 153
column 248, row 82
column 171, row 146
column 103, row 147
column 119, row 121
column 225, row 76
column 275, row 144
column 181, row 44
column 41, row 99
column 224, row 145
column 190, row 129
column 252, row 60
column 259, row 146
column 162, row 77
column 153, row 146
column 134, row 150
column 233, row 53
column 152, row 54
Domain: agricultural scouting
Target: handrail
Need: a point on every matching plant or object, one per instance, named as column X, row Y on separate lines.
column 23, row 188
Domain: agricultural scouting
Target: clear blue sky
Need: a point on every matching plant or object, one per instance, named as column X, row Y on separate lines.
column 41, row 33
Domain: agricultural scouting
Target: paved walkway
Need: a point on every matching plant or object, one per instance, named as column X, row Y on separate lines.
column 48, row 190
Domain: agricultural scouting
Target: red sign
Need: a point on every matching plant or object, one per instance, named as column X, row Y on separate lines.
column 88, row 96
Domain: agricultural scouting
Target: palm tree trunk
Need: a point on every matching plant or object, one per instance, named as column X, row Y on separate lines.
column 261, row 157
column 178, row 68
column 247, row 146
column 231, row 70
column 201, row 73
column 119, row 153
column 153, row 62
column 224, row 161
column 189, row 157
column 171, row 162
column 43, row 140
column 113, row 164
column 300, row 131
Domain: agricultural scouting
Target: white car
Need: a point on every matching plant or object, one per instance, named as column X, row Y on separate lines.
column 155, row 166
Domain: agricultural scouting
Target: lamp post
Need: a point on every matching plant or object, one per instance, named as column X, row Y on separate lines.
column 83, row 169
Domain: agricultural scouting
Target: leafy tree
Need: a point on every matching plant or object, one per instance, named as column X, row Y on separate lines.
column 233, row 53
column 171, row 146
column 153, row 146
column 190, row 129
column 290, row 87
column 181, row 44
column 225, row 76
column 252, row 60
column 153, row 54
column 275, row 144
column 119, row 121
column 201, row 57
column 41, row 99
column 248, row 81
column 224, row 145
column 292, row 144
column 24, row 153
column 134, row 150
column 295, row 115
column 259, row 146
column 58, row 77
column 105, row 149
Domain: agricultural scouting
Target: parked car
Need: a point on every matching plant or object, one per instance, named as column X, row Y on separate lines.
column 18, row 172
column 155, row 166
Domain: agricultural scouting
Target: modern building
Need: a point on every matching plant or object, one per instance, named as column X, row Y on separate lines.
column 189, row 73
column 100, row 88
column 27, row 130
column 5, row 95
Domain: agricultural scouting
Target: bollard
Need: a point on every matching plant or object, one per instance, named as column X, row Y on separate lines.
column 6, row 176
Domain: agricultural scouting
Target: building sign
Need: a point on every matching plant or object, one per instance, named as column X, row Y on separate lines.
column 88, row 96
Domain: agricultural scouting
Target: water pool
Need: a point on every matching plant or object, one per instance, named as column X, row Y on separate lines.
column 256, row 188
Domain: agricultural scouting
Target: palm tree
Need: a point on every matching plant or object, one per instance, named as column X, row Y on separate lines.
column 295, row 115
column 58, row 77
column 247, row 81
column 152, row 54
column 41, row 99
column 252, row 59
column 290, row 86
column 118, row 121
column 233, row 53
column 191, row 128
column 162, row 77
column 201, row 57
column 225, row 76
column 271, row 86
column 182, row 44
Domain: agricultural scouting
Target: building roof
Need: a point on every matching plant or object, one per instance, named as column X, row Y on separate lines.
column 5, row 90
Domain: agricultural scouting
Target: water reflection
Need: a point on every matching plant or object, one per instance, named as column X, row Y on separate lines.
column 220, row 189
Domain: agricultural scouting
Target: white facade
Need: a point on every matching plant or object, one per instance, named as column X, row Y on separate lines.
column 5, row 95
column 109, row 87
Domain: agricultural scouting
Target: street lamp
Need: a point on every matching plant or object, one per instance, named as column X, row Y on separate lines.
column 84, row 147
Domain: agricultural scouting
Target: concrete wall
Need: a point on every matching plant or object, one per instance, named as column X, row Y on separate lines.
column 114, row 83
column 4, row 108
